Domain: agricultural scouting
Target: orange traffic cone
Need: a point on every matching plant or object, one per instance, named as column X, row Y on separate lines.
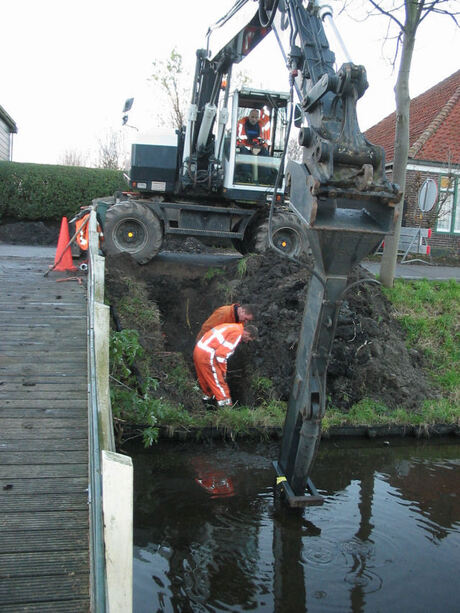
column 63, row 258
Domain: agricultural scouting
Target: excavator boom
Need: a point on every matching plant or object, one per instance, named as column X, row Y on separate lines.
column 341, row 194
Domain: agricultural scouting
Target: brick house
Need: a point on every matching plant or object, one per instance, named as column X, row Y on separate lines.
column 434, row 152
column 7, row 129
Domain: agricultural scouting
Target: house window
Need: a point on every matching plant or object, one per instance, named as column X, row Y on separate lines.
column 449, row 211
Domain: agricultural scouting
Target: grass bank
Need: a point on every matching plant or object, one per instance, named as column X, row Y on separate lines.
column 429, row 314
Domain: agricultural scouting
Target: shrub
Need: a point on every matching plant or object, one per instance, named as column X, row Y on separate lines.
column 45, row 192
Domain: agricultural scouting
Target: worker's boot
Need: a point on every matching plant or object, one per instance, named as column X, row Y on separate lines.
column 224, row 403
column 209, row 402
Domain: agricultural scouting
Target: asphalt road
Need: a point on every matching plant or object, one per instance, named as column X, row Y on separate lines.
column 418, row 271
column 403, row 271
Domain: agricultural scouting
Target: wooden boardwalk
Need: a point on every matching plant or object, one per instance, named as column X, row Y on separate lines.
column 44, row 533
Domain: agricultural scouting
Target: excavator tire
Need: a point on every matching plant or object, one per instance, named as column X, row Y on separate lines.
column 132, row 227
column 287, row 235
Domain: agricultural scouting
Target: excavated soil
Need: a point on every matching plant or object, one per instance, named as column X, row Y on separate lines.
column 29, row 232
column 369, row 357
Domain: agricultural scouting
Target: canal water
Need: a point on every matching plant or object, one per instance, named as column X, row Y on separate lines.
column 209, row 536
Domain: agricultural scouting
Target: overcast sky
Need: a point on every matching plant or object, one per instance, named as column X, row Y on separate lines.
column 67, row 67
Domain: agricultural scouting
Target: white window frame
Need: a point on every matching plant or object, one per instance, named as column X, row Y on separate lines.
column 449, row 220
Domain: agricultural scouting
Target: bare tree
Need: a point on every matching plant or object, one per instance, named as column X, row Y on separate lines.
column 72, row 157
column 111, row 151
column 406, row 16
column 169, row 74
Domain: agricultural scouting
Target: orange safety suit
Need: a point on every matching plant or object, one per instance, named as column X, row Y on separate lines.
column 210, row 358
column 226, row 314
column 243, row 139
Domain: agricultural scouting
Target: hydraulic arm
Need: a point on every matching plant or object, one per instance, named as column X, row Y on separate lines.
column 339, row 191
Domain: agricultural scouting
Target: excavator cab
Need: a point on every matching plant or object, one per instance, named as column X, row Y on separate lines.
column 254, row 142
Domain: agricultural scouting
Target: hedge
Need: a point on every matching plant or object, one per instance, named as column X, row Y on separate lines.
column 45, row 192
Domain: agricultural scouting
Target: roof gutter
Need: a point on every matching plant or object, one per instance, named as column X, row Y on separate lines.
column 8, row 120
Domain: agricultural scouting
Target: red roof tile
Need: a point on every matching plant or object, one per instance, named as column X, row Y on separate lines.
column 434, row 128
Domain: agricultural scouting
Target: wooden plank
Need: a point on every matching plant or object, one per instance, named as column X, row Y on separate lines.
column 45, row 355
column 40, row 369
column 40, row 378
column 28, row 301
column 43, row 331
column 28, row 286
column 47, row 433
column 37, row 358
column 36, row 304
column 17, row 503
column 42, row 471
column 41, row 306
column 39, row 393
column 38, row 313
column 52, row 413
column 60, row 520
column 43, row 457
column 19, row 387
column 44, row 540
column 42, row 486
column 44, row 403
column 79, row 442
column 20, row 590
column 30, row 564
column 72, row 400
column 24, row 340
column 43, row 444
column 38, row 424
column 64, row 606
column 17, row 321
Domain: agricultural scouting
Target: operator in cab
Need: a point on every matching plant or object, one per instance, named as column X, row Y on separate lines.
column 252, row 133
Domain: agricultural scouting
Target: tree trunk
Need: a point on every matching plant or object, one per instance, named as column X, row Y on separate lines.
column 390, row 252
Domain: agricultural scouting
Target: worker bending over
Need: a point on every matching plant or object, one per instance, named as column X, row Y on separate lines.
column 228, row 314
column 210, row 358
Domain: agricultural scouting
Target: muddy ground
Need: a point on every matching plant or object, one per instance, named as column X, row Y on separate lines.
column 369, row 356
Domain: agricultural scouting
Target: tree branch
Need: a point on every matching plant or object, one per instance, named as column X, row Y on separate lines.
column 387, row 13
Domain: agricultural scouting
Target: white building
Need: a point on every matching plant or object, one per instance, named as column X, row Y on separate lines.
column 7, row 129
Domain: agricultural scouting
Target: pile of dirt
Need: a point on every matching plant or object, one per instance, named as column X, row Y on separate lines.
column 369, row 356
column 29, row 232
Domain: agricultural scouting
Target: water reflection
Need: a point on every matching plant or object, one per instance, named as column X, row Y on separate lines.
column 208, row 536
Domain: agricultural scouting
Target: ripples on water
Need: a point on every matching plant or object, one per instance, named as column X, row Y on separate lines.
column 209, row 536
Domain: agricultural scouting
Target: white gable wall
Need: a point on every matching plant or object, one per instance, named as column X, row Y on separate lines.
column 5, row 141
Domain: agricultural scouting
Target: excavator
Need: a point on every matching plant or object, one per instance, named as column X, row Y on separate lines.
column 336, row 203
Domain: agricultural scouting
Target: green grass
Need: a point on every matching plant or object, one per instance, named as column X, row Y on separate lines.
column 368, row 412
column 429, row 312
column 137, row 308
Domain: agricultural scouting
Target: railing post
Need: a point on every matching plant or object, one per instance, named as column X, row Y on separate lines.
column 117, row 486
column 101, row 344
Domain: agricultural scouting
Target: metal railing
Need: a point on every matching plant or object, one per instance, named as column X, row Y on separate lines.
column 110, row 540
column 98, row 571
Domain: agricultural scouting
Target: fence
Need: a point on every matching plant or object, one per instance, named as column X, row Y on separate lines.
column 412, row 240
